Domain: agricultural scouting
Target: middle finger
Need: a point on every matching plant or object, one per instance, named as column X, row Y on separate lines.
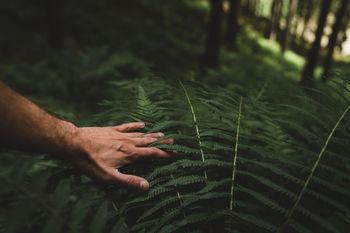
column 142, row 142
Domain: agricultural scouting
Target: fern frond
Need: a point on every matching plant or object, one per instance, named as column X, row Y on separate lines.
column 179, row 164
column 141, row 226
column 172, row 213
column 164, row 125
column 269, row 183
column 215, row 133
column 236, row 152
column 290, row 214
column 100, row 219
column 212, row 185
column 185, row 180
column 298, row 227
column 263, row 199
column 180, row 148
column 196, row 126
column 317, row 219
column 158, row 206
column 256, row 221
column 194, row 218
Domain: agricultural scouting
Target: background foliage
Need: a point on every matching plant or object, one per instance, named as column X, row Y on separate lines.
column 249, row 109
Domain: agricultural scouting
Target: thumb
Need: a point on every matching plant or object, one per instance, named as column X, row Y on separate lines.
column 132, row 181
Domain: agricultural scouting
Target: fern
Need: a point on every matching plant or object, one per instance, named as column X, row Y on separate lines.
column 235, row 155
column 313, row 170
column 248, row 191
column 196, row 126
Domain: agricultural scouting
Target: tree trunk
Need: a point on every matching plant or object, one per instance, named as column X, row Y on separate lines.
column 255, row 5
column 333, row 40
column 232, row 24
column 308, row 73
column 213, row 41
column 295, row 26
column 306, row 18
column 342, row 37
column 275, row 18
column 246, row 4
column 292, row 9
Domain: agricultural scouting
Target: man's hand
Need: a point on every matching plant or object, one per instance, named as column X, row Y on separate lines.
column 98, row 151
column 103, row 150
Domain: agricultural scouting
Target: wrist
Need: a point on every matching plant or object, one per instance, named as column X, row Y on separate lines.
column 68, row 140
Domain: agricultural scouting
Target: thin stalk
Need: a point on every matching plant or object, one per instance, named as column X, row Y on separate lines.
column 196, row 125
column 236, row 152
column 180, row 199
column 290, row 214
column 177, row 192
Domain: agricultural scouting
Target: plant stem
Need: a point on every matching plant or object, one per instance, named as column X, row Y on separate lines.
column 236, row 152
column 177, row 191
column 180, row 200
column 290, row 214
column 196, row 125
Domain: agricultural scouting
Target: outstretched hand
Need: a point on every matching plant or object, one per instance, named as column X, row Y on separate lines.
column 98, row 151
column 103, row 150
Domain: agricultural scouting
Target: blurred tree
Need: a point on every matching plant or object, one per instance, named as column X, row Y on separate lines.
column 293, row 4
column 232, row 24
column 342, row 36
column 245, row 4
column 275, row 19
column 308, row 73
column 307, row 7
column 250, row 6
column 213, row 41
column 333, row 39
column 295, row 23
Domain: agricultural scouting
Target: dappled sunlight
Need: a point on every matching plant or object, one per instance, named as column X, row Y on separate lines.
column 292, row 57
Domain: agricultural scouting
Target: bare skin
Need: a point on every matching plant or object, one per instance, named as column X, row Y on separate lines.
column 97, row 151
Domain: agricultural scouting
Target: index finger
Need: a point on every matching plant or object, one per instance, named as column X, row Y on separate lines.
column 130, row 126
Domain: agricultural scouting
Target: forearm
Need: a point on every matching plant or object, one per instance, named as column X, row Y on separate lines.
column 23, row 125
column 98, row 151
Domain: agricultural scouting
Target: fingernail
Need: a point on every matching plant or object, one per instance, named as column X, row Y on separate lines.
column 142, row 125
column 171, row 141
column 143, row 185
column 161, row 134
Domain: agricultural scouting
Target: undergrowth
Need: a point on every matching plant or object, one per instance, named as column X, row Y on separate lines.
column 255, row 153
column 244, row 164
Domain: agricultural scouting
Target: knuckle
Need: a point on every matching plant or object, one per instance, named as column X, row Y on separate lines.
column 124, row 149
column 171, row 141
column 154, row 150
column 130, row 153
column 131, row 181
column 153, row 135
column 150, row 140
column 133, row 155
column 127, row 151
column 119, row 147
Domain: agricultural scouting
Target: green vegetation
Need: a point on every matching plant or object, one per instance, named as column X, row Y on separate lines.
column 256, row 151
